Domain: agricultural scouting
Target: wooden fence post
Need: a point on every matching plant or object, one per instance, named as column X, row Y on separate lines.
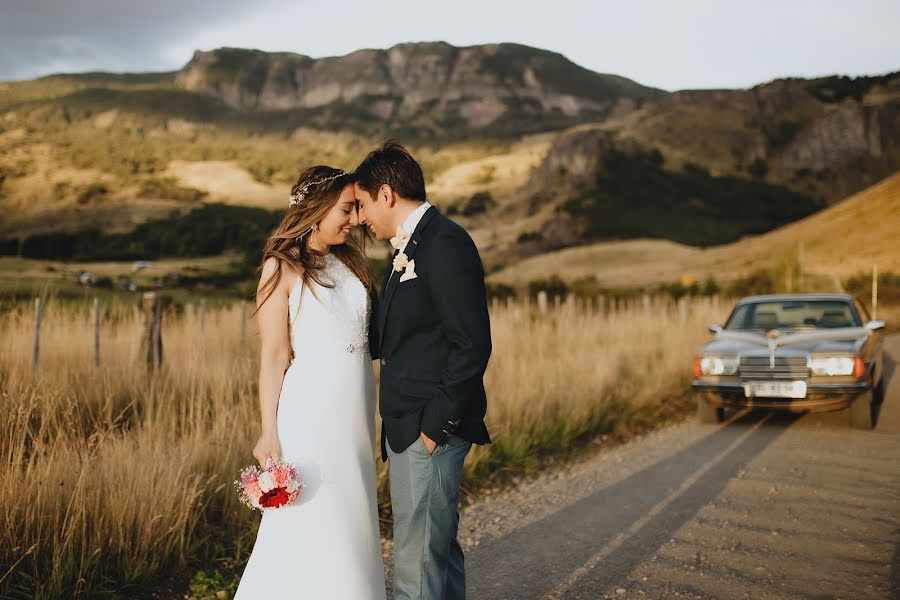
column 542, row 302
column 243, row 327
column 874, row 291
column 151, row 330
column 157, row 334
column 97, row 332
column 202, row 317
column 38, row 310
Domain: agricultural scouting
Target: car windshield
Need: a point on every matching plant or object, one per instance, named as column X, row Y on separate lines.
column 793, row 314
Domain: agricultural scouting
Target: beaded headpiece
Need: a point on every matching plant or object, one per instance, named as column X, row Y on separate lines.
column 300, row 194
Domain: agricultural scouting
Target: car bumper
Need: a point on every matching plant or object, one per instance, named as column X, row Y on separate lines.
column 820, row 397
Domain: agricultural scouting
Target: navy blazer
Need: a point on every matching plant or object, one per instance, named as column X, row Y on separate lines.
column 432, row 335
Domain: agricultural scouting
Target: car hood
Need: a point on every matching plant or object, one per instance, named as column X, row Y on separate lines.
column 845, row 340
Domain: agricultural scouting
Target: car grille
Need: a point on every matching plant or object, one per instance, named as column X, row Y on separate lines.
column 785, row 367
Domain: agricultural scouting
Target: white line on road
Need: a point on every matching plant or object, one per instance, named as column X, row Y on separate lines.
column 559, row 591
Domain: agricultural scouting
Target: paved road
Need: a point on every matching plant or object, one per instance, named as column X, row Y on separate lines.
column 768, row 506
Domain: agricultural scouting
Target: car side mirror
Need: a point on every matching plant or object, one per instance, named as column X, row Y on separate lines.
column 876, row 325
column 713, row 328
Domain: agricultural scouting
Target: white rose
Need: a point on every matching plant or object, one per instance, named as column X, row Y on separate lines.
column 292, row 486
column 400, row 261
column 265, row 482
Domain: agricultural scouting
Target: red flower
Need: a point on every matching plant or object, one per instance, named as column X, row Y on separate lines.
column 274, row 498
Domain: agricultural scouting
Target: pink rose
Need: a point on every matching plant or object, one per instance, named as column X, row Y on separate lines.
column 252, row 489
column 248, row 477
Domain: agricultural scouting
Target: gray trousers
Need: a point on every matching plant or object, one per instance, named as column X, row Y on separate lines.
column 428, row 561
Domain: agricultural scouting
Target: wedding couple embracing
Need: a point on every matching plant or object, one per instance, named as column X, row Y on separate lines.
column 322, row 322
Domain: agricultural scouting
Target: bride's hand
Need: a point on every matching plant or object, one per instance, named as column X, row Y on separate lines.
column 268, row 445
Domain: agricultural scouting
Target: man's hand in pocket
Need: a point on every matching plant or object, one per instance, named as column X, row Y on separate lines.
column 430, row 445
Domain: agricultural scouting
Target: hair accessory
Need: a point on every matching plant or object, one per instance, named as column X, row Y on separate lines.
column 300, row 194
column 314, row 227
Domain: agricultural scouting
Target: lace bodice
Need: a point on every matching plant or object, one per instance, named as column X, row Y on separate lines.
column 334, row 318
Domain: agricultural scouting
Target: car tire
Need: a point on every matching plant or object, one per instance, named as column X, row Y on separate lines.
column 707, row 412
column 861, row 411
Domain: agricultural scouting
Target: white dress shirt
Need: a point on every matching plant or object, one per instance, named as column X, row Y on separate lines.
column 412, row 221
column 409, row 226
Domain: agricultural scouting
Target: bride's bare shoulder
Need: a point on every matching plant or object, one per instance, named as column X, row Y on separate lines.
column 289, row 273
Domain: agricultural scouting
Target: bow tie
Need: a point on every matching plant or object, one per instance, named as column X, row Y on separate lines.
column 401, row 238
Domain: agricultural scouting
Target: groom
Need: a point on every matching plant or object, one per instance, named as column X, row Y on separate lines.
column 434, row 342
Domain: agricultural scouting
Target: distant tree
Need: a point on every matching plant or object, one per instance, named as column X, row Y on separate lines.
column 758, row 169
column 676, row 290
column 478, row 204
column 710, row 287
column 586, row 287
column 758, row 282
column 694, row 169
column 500, row 291
column 554, row 286
column 530, row 236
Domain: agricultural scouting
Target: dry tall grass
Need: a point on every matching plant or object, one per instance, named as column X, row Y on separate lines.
column 112, row 479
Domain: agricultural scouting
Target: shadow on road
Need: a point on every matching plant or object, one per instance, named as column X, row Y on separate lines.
column 532, row 561
column 886, row 414
column 890, row 366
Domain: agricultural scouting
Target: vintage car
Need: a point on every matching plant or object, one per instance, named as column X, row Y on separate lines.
column 794, row 352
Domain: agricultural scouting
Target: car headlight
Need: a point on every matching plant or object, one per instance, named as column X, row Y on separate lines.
column 831, row 365
column 719, row 365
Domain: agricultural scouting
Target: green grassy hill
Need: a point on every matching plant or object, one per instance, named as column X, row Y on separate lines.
column 109, row 152
column 836, row 244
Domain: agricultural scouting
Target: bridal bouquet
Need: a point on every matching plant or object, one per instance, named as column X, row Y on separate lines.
column 273, row 487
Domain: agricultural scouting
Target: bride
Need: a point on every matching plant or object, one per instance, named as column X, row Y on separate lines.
column 317, row 401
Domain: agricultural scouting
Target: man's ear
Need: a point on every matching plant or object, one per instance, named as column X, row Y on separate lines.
column 386, row 194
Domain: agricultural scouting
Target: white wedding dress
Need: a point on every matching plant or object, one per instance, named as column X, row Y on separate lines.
column 325, row 545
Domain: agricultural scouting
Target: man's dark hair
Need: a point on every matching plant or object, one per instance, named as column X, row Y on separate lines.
column 392, row 164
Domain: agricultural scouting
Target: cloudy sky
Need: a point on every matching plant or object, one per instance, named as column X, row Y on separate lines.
column 664, row 43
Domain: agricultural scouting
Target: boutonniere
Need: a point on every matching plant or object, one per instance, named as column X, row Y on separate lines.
column 410, row 272
column 400, row 261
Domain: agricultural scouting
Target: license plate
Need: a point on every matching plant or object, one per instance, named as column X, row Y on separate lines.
column 775, row 389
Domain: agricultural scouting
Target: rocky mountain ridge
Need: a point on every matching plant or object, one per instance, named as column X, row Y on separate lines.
column 427, row 85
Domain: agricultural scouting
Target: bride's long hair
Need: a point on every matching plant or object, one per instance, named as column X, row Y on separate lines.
column 289, row 242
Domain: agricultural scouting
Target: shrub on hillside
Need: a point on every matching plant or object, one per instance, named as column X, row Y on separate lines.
column 206, row 231
column 635, row 197
column 758, row 282
column 554, row 286
column 501, row 291
column 167, row 187
column 480, row 203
